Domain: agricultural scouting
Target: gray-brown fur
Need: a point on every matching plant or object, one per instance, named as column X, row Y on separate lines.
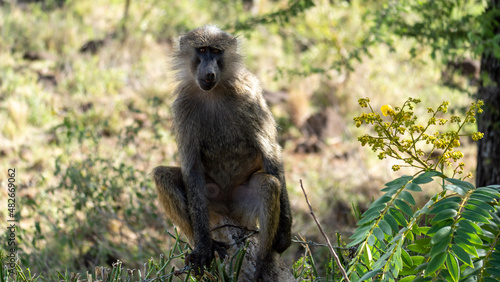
column 231, row 163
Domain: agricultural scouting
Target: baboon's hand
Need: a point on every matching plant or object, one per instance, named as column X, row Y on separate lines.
column 200, row 258
column 220, row 248
column 203, row 254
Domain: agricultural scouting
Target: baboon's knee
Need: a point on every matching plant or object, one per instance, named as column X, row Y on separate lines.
column 269, row 186
column 269, row 189
column 166, row 175
column 172, row 196
column 167, row 180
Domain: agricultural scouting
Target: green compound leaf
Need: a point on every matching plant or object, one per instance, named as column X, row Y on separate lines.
column 455, row 188
column 406, row 258
column 421, row 246
column 462, row 255
column 371, row 240
column 398, row 216
column 431, row 173
column 481, row 197
column 356, row 241
column 453, row 267
column 475, row 217
column 496, row 256
column 385, row 227
column 404, row 207
column 405, row 195
column 470, row 226
column 375, row 208
column 491, row 189
column 440, row 246
column 370, row 274
column 408, row 278
column 417, row 260
column 466, row 246
column 446, row 203
column 471, row 237
column 460, row 183
column 443, row 233
column 381, row 200
column 422, row 180
column 477, row 267
column 392, row 222
column 413, row 187
column 494, row 271
column 360, row 235
column 391, row 189
column 446, row 214
column 478, row 210
column 488, row 193
column 369, row 216
column 435, row 228
column 481, row 205
column 400, row 181
column 435, row 263
column 444, row 206
column 379, row 234
column 422, row 279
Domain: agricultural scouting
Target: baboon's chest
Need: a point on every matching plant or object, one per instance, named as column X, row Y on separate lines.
column 231, row 161
column 224, row 132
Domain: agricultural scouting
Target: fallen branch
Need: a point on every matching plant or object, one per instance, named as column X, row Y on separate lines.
column 312, row 243
column 342, row 270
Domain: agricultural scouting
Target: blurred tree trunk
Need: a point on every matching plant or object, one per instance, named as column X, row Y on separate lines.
column 488, row 156
column 124, row 21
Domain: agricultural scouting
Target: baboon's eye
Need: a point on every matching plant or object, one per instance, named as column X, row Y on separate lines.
column 216, row 51
column 202, row 50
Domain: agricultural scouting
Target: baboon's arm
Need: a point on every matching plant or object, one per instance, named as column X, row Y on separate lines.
column 197, row 203
column 194, row 179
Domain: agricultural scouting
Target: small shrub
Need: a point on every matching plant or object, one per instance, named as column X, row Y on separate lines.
column 455, row 235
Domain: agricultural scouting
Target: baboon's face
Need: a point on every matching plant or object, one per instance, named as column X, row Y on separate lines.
column 209, row 63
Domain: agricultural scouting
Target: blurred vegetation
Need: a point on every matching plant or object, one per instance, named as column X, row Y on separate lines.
column 85, row 113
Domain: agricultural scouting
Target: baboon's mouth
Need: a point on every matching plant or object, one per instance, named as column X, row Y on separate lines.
column 206, row 84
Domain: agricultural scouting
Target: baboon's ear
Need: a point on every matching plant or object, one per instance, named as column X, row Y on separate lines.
column 183, row 42
column 185, row 45
column 235, row 40
column 233, row 43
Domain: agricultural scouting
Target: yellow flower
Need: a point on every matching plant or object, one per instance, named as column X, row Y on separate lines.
column 478, row 135
column 439, row 143
column 363, row 102
column 387, row 110
column 455, row 143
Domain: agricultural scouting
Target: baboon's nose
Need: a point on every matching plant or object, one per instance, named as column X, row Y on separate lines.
column 210, row 77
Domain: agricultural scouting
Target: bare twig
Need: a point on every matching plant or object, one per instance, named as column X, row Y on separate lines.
column 244, row 228
column 342, row 270
column 312, row 243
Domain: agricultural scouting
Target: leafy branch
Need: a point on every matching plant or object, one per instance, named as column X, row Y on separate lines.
column 452, row 237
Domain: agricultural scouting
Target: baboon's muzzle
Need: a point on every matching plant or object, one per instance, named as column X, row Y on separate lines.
column 208, row 74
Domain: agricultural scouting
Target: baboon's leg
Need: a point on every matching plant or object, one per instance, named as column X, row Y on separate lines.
column 261, row 198
column 172, row 194
column 283, row 237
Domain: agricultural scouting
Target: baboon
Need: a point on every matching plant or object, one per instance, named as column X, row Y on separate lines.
column 231, row 163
